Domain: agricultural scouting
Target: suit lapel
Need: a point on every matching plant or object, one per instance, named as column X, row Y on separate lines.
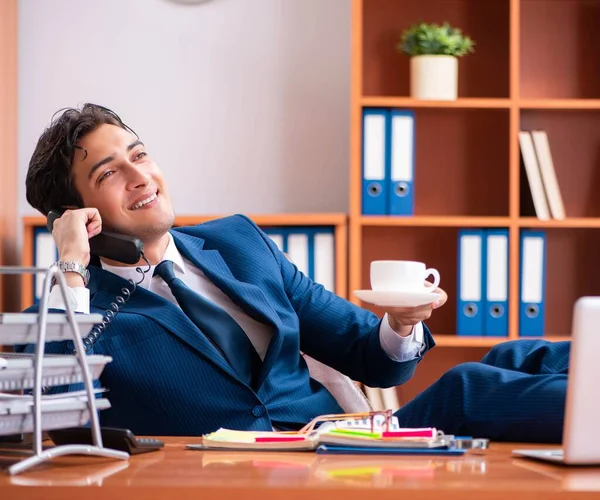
column 250, row 298
column 105, row 286
column 247, row 296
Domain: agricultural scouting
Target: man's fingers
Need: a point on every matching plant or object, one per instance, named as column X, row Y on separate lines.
column 417, row 318
column 410, row 310
column 92, row 215
column 94, row 228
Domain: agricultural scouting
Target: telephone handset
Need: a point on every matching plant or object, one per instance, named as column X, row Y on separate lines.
column 125, row 249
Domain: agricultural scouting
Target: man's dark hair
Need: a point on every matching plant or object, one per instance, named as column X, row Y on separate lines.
column 49, row 181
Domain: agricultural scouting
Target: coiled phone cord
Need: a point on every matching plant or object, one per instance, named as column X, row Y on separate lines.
column 114, row 308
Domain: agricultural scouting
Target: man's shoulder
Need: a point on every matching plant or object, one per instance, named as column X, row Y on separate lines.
column 215, row 226
column 235, row 234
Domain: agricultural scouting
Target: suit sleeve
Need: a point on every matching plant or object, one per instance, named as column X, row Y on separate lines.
column 339, row 333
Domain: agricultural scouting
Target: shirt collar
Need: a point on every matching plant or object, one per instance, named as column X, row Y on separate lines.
column 129, row 272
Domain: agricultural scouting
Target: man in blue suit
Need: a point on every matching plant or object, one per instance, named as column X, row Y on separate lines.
column 213, row 334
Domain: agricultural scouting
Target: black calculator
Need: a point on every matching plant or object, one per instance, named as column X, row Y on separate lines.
column 114, row 438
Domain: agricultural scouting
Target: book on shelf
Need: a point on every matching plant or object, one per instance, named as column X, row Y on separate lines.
column 548, row 173
column 533, row 198
column 540, row 194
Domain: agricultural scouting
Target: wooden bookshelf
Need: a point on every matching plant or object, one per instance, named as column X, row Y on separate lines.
column 559, row 103
column 434, row 221
column 467, row 157
column 8, row 149
column 571, row 222
column 407, row 102
column 458, row 341
column 338, row 221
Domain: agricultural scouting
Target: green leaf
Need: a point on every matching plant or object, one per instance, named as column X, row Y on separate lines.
column 434, row 39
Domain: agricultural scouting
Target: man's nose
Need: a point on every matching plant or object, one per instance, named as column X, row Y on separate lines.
column 136, row 176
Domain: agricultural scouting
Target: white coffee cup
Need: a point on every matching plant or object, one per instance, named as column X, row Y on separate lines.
column 402, row 275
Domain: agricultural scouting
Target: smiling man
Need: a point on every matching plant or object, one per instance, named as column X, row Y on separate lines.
column 213, row 335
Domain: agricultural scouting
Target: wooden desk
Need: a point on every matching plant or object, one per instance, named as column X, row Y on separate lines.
column 177, row 474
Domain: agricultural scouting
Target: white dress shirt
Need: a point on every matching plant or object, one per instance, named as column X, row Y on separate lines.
column 396, row 347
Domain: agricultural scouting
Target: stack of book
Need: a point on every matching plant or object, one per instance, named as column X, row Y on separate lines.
column 345, row 436
column 540, row 192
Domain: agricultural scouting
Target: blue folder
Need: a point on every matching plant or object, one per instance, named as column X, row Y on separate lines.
column 401, row 163
column 496, row 297
column 360, row 450
column 471, row 282
column 375, row 145
column 532, row 284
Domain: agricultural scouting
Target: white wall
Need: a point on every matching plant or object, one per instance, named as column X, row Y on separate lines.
column 243, row 103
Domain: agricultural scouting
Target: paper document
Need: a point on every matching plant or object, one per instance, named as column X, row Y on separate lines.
column 351, row 432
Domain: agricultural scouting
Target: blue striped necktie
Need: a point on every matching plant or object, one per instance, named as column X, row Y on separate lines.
column 220, row 328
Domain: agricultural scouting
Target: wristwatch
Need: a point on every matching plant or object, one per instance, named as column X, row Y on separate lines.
column 72, row 266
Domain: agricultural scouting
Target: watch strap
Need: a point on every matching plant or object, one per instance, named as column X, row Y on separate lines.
column 72, row 266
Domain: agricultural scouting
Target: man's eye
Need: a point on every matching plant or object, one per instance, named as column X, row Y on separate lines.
column 140, row 155
column 105, row 175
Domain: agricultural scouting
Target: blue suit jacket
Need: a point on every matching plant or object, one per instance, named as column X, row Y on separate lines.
column 166, row 378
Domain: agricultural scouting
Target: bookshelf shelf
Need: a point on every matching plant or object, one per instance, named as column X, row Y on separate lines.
column 292, row 219
column 570, row 223
column 434, row 221
column 559, row 104
column 461, row 341
column 407, row 102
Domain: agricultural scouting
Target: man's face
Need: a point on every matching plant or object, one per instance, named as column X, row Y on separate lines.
column 119, row 178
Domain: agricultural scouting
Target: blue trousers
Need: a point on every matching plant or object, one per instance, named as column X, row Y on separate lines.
column 516, row 393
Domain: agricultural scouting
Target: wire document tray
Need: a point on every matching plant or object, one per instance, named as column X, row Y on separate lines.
column 38, row 415
column 23, row 328
column 17, row 370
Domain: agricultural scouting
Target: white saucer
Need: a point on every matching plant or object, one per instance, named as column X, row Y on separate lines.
column 397, row 298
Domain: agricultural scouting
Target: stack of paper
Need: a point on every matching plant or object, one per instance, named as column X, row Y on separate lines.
column 331, row 434
column 23, row 328
column 68, row 409
column 17, row 370
column 227, row 439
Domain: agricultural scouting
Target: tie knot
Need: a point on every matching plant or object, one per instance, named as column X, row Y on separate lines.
column 165, row 271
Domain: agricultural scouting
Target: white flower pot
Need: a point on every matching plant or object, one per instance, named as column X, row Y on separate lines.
column 434, row 77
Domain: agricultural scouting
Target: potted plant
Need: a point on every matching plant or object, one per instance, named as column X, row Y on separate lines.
column 434, row 52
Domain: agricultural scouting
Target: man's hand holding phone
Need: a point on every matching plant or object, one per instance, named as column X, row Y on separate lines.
column 71, row 233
